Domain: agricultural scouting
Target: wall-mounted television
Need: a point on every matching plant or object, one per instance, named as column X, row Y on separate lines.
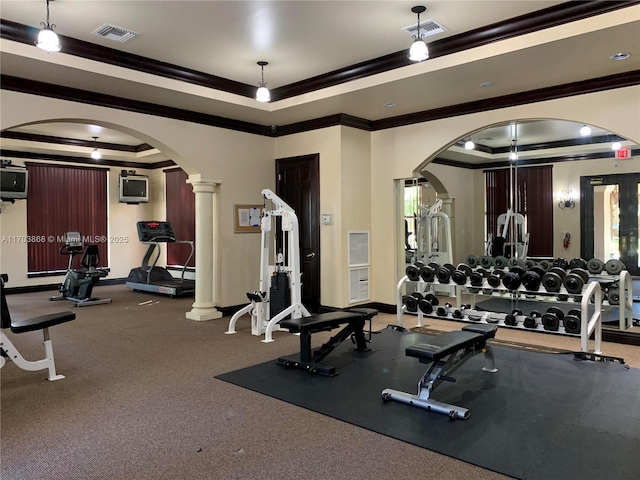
column 13, row 182
column 134, row 189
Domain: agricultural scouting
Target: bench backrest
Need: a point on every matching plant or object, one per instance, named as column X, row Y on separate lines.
column 5, row 321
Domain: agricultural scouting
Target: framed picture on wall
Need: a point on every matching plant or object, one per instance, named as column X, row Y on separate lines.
column 247, row 218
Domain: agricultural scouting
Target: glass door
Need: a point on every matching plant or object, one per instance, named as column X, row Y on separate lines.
column 609, row 218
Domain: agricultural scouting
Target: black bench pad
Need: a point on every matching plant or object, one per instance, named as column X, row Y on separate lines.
column 442, row 345
column 489, row 331
column 39, row 323
column 320, row 322
column 367, row 313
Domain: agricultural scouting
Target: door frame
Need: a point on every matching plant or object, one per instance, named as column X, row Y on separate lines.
column 628, row 214
column 313, row 161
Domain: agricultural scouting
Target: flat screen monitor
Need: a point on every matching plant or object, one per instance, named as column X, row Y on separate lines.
column 13, row 182
column 134, row 189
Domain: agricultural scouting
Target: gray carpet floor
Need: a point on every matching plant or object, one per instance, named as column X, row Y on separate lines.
column 140, row 401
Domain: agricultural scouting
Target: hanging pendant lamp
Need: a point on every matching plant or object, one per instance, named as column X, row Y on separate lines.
column 48, row 39
column 419, row 50
column 263, row 94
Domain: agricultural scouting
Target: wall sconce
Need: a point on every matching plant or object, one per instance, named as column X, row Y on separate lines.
column 566, row 199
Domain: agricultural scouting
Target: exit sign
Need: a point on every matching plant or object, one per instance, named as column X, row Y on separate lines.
column 622, row 153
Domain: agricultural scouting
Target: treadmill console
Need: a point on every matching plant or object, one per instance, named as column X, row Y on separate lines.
column 155, row 232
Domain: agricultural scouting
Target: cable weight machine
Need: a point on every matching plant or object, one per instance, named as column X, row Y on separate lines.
column 267, row 306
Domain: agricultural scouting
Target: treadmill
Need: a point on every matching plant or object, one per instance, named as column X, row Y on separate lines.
column 149, row 278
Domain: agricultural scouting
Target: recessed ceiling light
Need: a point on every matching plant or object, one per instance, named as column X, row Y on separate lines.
column 487, row 84
column 620, row 56
column 389, row 105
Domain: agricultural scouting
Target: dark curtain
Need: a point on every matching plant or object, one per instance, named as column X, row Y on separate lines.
column 62, row 199
column 181, row 213
column 534, row 201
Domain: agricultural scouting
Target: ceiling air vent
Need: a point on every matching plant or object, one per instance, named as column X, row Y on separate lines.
column 427, row 28
column 117, row 34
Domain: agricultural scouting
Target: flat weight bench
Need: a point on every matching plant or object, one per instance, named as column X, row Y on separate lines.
column 306, row 326
column 446, row 353
column 10, row 352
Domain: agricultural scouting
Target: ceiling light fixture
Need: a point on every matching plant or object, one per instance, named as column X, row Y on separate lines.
column 96, row 155
column 263, row 94
column 469, row 145
column 47, row 38
column 616, row 146
column 419, row 50
column 620, row 56
column 585, row 131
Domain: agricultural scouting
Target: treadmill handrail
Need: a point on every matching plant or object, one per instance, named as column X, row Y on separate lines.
column 155, row 244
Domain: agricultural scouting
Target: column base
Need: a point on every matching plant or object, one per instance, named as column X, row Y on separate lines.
column 202, row 314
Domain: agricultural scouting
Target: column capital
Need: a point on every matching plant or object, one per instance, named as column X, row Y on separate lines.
column 201, row 184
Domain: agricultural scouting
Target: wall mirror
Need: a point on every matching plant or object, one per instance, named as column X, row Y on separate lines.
column 560, row 176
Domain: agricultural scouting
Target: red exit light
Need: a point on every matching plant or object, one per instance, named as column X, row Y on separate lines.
column 622, row 153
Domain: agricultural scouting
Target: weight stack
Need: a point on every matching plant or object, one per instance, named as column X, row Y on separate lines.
column 279, row 294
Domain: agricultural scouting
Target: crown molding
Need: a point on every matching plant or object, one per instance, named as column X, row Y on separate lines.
column 34, row 137
column 103, row 162
column 539, row 20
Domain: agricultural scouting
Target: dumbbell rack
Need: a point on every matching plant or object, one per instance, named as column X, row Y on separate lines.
column 588, row 324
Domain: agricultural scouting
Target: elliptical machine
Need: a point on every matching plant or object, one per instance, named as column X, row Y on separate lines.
column 78, row 284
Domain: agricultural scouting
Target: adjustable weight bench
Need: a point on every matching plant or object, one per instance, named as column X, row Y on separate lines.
column 308, row 359
column 9, row 352
column 446, row 353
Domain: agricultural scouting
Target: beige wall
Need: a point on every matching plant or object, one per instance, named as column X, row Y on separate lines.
column 326, row 143
column 399, row 152
column 241, row 163
column 244, row 165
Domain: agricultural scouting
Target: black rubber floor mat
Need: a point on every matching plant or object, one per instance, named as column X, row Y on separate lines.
column 540, row 416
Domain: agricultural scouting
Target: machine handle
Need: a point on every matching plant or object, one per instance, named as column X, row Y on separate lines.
column 311, row 255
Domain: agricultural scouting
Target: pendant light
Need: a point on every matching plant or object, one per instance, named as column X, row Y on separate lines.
column 47, row 38
column 469, row 145
column 419, row 50
column 96, row 155
column 263, row 94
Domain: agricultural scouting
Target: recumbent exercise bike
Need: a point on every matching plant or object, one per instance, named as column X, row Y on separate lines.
column 78, row 284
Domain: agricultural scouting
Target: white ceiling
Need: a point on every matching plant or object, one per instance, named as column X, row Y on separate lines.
column 303, row 39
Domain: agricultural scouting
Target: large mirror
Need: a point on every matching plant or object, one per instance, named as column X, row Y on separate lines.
column 550, row 188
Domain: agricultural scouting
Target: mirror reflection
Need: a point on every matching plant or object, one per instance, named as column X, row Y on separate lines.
column 534, row 171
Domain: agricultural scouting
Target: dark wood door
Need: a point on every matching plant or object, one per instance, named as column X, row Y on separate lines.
column 298, row 184
column 609, row 218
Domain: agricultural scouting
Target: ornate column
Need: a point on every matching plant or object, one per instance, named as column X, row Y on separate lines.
column 204, row 306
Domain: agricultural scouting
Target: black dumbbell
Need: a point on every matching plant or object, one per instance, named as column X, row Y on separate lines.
column 456, row 314
column 510, row 320
column 466, row 269
column 573, row 283
column 518, row 270
column 584, row 274
column 413, row 272
column 410, row 302
column 551, row 282
column 476, row 279
column 550, row 322
column 561, row 262
column 578, row 263
column 486, row 261
column 431, row 298
column 530, row 322
column 511, row 280
column 613, row 295
column 545, row 265
column 595, row 266
column 531, row 281
column 572, row 324
column 425, row 306
column 472, row 261
column 427, row 274
column 500, row 262
column 443, row 275
column 459, row 277
column 441, row 312
column 494, row 281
